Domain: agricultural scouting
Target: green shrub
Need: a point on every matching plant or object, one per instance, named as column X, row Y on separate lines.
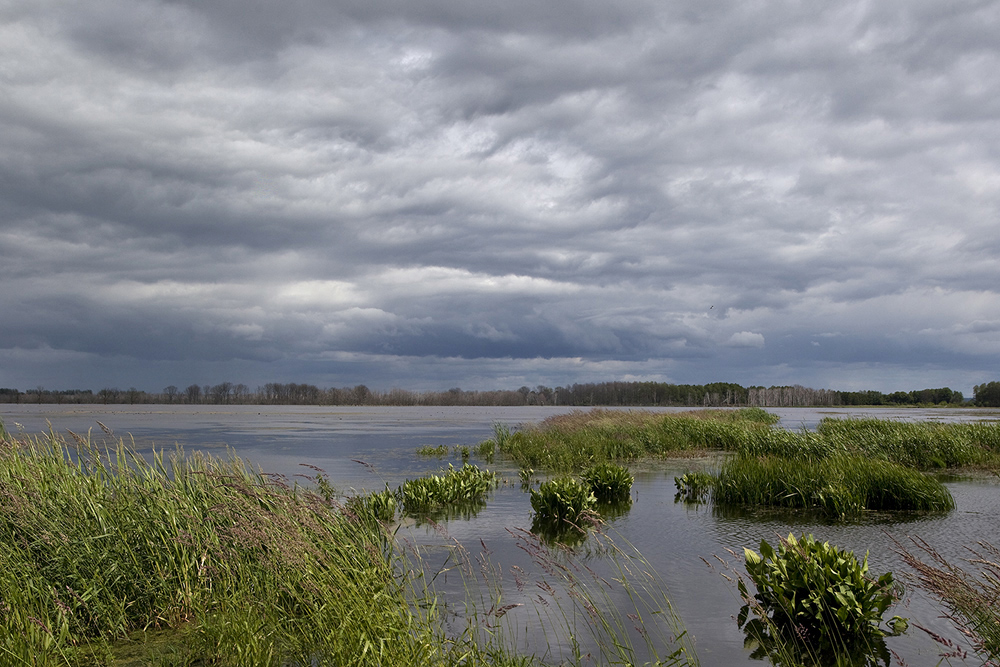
column 609, row 483
column 815, row 593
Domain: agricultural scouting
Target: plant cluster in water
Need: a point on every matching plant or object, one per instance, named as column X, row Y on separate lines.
column 693, row 487
column 468, row 485
column 815, row 599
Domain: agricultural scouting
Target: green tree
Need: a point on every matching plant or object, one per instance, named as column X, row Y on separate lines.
column 987, row 395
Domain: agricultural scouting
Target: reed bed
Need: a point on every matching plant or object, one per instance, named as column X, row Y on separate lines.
column 99, row 545
column 840, row 486
column 579, row 440
column 922, row 445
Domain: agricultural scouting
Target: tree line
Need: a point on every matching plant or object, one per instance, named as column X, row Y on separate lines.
column 716, row 394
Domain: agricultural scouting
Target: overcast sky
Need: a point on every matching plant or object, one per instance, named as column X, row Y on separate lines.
column 436, row 193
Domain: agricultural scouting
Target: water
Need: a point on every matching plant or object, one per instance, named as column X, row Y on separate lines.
column 676, row 539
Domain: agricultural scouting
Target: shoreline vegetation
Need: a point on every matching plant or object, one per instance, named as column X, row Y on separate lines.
column 846, row 467
column 184, row 559
column 602, row 394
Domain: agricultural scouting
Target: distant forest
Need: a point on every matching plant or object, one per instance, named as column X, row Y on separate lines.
column 716, row 394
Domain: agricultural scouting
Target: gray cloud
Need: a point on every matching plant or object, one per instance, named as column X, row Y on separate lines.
column 438, row 194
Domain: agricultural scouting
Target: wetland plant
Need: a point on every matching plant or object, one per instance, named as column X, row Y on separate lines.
column 839, row 486
column 440, row 451
column 970, row 592
column 693, row 487
column 610, row 483
column 469, row 485
column 236, row 566
column 814, row 599
column 563, row 503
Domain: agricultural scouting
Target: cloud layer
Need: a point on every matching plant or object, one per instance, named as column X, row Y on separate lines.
column 432, row 194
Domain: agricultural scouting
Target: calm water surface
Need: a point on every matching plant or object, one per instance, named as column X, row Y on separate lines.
column 674, row 538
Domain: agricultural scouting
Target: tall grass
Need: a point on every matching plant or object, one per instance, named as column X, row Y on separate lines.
column 840, row 486
column 923, row 445
column 97, row 543
column 970, row 592
column 579, row 440
column 608, row 611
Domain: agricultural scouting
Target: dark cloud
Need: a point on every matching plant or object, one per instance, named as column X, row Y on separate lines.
column 440, row 193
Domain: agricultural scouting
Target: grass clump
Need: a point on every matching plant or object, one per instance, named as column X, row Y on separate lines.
column 439, row 451
column 98, row 544
column 467, row 486
column 578, row 440
column 815, row 599
column 839, row 486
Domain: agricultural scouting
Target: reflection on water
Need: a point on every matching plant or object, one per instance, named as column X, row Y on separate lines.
column 684, row 544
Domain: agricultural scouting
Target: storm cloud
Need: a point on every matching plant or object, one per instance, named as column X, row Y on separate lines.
column 485, row 195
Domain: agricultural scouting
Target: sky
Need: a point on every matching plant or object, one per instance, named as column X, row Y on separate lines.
column 429, row 194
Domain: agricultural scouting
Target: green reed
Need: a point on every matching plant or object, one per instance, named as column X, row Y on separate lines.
column 839, row 485
column 579, row 440
column 98, row 544
column 923, row 445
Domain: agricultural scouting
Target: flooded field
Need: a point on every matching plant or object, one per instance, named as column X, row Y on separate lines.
column 681, row 542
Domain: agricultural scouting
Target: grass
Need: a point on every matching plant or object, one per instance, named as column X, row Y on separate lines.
column 579, row 440
column 107, row 558
column 99, row 544
column 970, row 593
column 610, row 483
column 839, row 486
column 921, row 445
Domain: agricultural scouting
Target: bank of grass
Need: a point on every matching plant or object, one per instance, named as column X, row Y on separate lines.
column 97, row 544
column 845, row 467
column 579, row 440
column 107, row 558
column 923, row 445
column 839, row 486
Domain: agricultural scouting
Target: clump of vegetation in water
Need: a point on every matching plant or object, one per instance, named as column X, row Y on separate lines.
column 693, row 487
column 439, row 451
column 610, row 483
column 377, row 506
column 922, row 445
column 563, row 503
column 575, row 441
column 815, row 599
column 840, row 486
column 468, row 485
